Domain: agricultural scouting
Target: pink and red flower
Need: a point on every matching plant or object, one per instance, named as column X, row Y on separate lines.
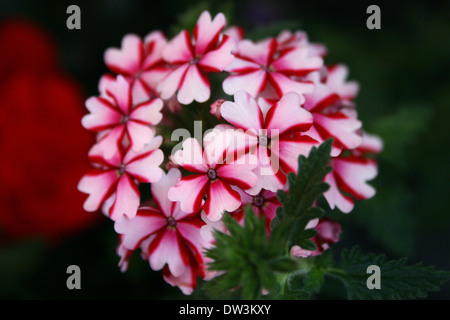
column 140, row 62
column 118, row 177
column 328, row 233
column 213, row 176
column 350, row 174
column 209, row 51
column 118, row 115
column 169, row 238
column 265, row 65
column 272, row 135
column 330, row 118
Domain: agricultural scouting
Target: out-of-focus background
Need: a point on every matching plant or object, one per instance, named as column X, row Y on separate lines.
column 47, row 72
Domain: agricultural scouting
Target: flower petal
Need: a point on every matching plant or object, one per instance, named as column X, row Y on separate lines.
column 160, row 190
column 352, row 174
column 344, row 129
column 239, row 172
column 334, row 197
column 99, row 185
column 102, row 115
column 146, row 222
column 290, row 149
column 220, row 58
column 206, row 32
column 126, row 60
column 190, row 191
column 145, row 168
column 187, row 281
column 253, row 82
column 139, row 135
column 120, row 92
column 191, row 156
column 148, row 112
column 288, row 116
column 111, row 142
column 221, row 197
column 170, row 84
column 244, row 113
column 179, row 49
column 297, row 62
column 194, row 86
column 284, row 84
column 260, row 52
column 127, row 199
column 168, row 248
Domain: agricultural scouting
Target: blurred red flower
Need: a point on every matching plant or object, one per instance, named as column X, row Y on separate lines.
column 42, row 142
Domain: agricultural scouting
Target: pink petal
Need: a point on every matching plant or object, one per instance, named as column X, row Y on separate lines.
column 291, row 149
column 179, row 49
column 216, row 144
column 145, row 168
column 170, row 84
column 253, row 82
column 102, row 115
column 329, row 230
column 104, row 82
column 112, row 141
column 220, row 198
column 283, row 84
column 239, row 172
column 336, row 80
column 140, row 92
column 160, row 190
column 244, row 112
column 335, row 198
column 148, row 112
column 154, row 76
column 322, row 96
column 139, row 135
column 371, row 144
column 190, row 191
column 190, row 231
column 146, row 222
column 120, row 91
column 97, row 157
column 206, row 32
column 191, row 156
column 270, row 177
column 235, row 32
column 288, row 116
column 260, row 52
column 296, row 62
column 168, row 249
column 352, row 175
column 220, row 58
column 126, row 60
column 242, row 66
column 127, row 199
column 342, row 128
column 187, row 281
column 154, row 44
column 194, row 86
column 99, row 185
column 313, row 132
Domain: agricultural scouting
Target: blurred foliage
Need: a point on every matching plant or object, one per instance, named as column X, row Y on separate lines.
column 403, row 74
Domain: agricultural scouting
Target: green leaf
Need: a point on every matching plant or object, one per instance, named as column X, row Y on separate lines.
column 304, row 189
column 398, row 279
column 249, row 260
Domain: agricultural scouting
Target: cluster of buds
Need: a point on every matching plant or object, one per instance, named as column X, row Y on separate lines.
column 278, row 101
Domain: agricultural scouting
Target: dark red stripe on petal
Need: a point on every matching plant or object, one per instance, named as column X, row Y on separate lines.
column 325, row 103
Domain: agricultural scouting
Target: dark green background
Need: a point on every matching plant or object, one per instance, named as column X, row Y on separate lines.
column 403, row 70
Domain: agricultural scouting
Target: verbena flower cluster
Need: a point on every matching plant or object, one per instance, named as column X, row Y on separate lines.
column 279, row 100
